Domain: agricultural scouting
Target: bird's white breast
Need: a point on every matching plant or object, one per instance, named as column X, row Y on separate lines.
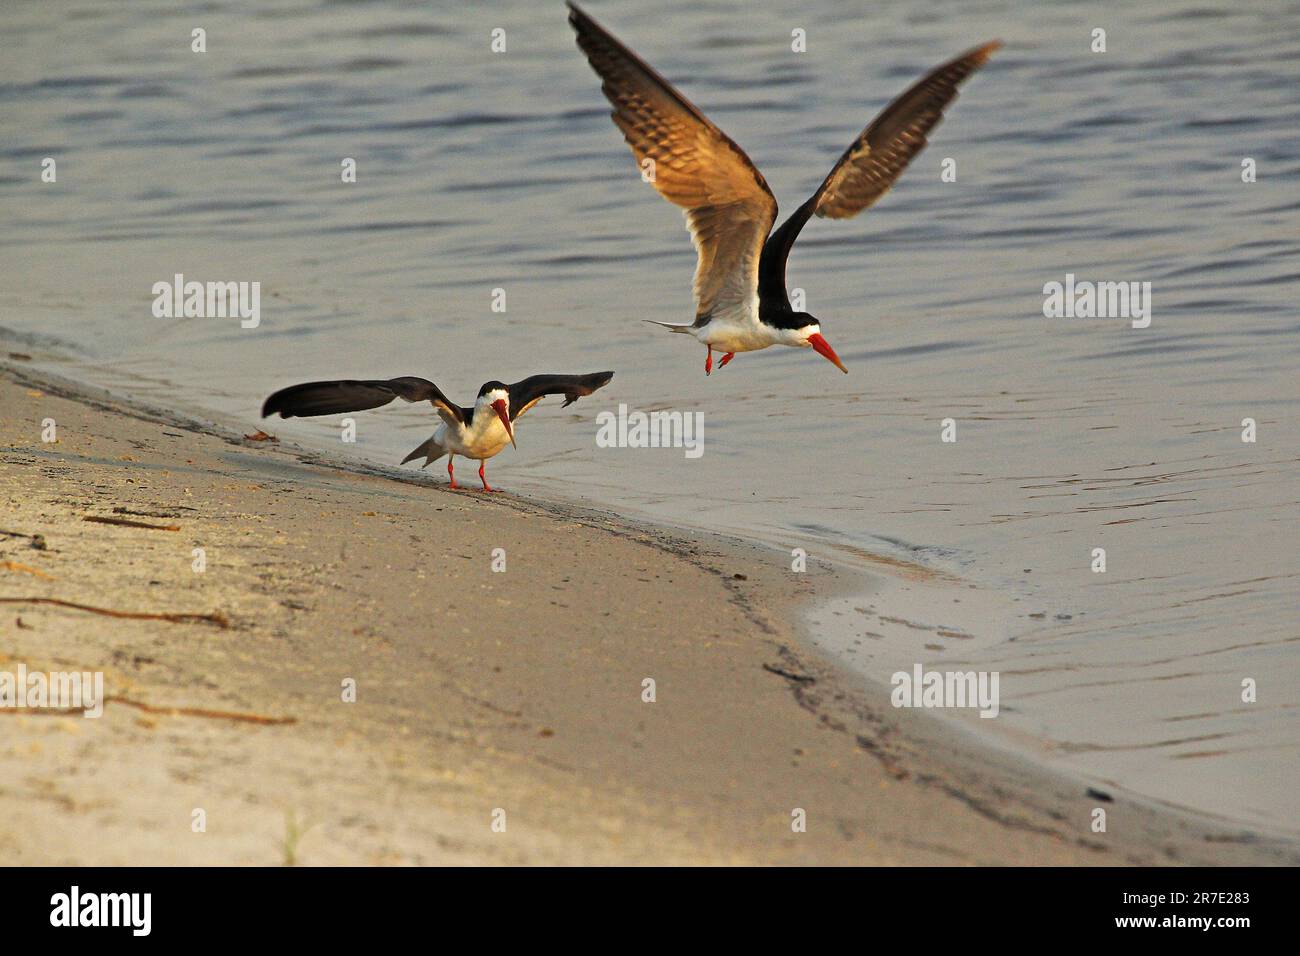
column 737, row 330
column 483, row 438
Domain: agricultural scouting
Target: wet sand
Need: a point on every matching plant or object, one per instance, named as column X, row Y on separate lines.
column 476, row 691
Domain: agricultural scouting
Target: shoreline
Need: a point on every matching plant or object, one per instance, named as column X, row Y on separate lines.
column 518, row 691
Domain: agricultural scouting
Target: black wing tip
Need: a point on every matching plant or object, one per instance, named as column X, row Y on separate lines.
column 589, row 31
column 591, row 382
column 274, row 404
column 287, row 402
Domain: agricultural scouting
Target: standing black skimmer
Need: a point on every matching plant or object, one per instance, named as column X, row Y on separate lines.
column 479, row 432
column 741, row 303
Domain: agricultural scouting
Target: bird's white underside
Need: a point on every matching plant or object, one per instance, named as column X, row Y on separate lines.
column 738, row 330
column 726, row 280
column 483, row 438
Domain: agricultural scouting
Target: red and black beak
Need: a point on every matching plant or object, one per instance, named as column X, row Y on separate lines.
column 499, row 406
column 823, row 348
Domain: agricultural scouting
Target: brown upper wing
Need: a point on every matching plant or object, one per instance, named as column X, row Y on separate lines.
column 729, row 208
column 874, row 161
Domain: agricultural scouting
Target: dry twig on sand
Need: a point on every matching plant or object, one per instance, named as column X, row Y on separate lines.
column 204, row 712
column 215, row 617
column 201, row 712
column 127, row 522
column 25, row 569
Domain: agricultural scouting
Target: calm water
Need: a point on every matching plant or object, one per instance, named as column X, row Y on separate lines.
column 479, row 171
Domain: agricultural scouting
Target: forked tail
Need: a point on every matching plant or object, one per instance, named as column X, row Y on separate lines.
column 672, row 326
column 430, row 450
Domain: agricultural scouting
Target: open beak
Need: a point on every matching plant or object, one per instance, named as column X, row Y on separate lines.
column 499, row 406
column 823, row 348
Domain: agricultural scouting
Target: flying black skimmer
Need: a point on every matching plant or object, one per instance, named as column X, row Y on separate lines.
column 479, row 432
column 741, row 303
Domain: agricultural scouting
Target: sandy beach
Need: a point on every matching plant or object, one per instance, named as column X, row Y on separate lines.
column 512, row 697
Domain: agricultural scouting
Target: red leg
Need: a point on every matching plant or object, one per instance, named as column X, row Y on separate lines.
column 482, row 477
column 451, row 472
column 708, row 362
column 726, row 358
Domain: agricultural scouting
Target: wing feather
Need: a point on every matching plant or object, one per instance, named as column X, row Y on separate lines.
column 353, row 395
column 527, row 393
column 693, row 164
column 873, row 162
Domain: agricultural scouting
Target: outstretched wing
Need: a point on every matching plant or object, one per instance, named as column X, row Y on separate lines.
column 350, row 395
column 729, row 208
column 524, row 395
column 873, row 163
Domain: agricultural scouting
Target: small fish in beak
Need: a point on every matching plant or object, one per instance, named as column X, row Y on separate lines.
column 823, row 348
column 500, row 407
